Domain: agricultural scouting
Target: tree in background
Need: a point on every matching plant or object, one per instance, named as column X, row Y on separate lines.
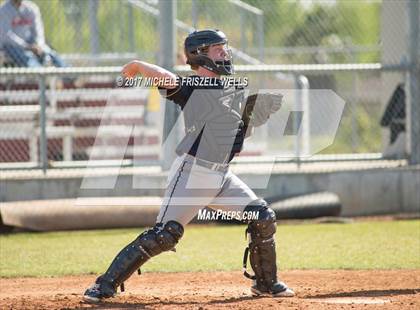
column 335, row 24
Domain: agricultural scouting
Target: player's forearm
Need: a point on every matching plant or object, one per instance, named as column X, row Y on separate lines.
column 148, row 70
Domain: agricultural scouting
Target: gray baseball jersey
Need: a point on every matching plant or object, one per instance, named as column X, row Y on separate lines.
column 214, row 134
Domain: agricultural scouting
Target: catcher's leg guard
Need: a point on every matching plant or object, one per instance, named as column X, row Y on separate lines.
column 150, row 243
column 262, row 252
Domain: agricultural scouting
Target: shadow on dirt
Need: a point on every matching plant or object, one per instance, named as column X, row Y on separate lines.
column 134, row 305
column 369, row 293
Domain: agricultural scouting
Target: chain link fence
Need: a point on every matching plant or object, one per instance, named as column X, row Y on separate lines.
column 269, row 31
column 109, row 33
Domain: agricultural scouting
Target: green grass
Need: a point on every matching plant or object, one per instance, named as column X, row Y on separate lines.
column 363, row 245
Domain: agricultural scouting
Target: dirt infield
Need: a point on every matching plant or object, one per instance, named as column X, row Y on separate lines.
column 316, row 289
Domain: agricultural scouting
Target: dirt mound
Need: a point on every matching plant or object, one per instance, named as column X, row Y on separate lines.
column 316, row 289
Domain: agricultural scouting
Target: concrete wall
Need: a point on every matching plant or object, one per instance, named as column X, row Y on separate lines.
column 362, row 192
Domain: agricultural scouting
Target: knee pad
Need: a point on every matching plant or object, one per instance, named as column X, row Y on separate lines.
column 160, row 238
column 265, row 226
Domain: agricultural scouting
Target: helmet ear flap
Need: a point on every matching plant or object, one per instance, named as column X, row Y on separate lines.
column 196, row 57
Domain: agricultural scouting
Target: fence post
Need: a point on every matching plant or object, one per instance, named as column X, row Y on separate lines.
column 297, row 107
column 413, row 106
column 306, row 125
column 167, row 32
column 94, row 28
column 131, row 36
column 194, row 13
column 301, row 126
column 260, row 31
column 243, row 29
column 43, row 124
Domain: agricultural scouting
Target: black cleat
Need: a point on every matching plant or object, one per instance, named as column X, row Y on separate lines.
column 278, row 289
column 101, row 289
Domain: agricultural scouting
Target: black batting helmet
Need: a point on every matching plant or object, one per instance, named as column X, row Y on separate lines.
column 196, row 46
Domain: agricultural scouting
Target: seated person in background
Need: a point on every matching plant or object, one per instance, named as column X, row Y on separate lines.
column 22, row 35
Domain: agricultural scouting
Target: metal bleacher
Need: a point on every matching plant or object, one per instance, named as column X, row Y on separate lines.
column 74, row 113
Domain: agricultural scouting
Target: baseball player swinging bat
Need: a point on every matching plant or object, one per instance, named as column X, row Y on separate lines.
column 217, row 118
